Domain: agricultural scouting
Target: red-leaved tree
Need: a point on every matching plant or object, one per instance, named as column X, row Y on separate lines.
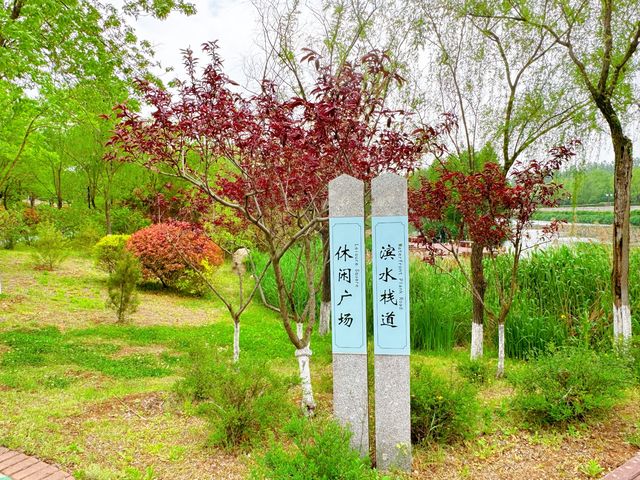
column 492, row 211
column 270, row 158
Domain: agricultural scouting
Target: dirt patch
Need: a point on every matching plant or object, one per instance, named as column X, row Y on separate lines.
column 129, row 350
column 148, row 432
column 139, row 405
column 545, row 455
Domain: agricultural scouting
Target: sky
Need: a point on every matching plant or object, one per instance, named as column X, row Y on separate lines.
column 234, row 23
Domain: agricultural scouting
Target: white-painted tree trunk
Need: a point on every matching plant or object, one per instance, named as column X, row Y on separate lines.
column 325, row 318
column 236, row 342
column 621, row 323
column 477, row 338
column 304, row 362
column 500, row 372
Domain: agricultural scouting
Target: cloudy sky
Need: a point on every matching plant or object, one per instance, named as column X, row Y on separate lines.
column 233, row 23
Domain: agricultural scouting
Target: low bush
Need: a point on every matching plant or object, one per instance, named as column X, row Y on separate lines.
column 50, row 247
column 121, row 286
column 169, row 251
column 30, row 218
column 320, row 450
column 568, row 384
column 441, row 411
column 475, row 371
column 242, row 402
column 633, row 357
column 109, row 250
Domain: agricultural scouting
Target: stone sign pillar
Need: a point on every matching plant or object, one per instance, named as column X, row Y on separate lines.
column 348, row 308
column 390, row 258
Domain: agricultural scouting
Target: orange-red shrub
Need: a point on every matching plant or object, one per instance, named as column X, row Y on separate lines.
column 167, row 251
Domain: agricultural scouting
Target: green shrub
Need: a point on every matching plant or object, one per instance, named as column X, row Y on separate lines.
column 71, row 220
column 50, row 246
column 121, row 285
column 11, row 228
column 242, row 402
column 88, row 234
column 125, row 220
column 475, row 371
column 441, row 411
column 568, row 384
column 320, row 450
column 109, row 250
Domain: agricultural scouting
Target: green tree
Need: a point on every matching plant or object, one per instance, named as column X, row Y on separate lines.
column 495, row 77
column 50, row 46
column 600, row 39
column 123, row 298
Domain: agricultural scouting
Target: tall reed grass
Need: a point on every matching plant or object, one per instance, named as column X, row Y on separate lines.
column 563, row 297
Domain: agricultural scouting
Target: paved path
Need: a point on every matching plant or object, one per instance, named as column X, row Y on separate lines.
column 18, row 466
column 628, row 471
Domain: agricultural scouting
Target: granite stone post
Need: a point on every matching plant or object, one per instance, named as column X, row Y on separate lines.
column 390, row 255
column 348, row 308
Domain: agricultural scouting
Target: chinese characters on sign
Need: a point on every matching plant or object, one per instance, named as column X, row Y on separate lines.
column 390, row 287
column 347, row 284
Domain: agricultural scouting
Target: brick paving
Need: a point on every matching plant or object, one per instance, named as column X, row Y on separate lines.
column 628, row 471
column 18, row 466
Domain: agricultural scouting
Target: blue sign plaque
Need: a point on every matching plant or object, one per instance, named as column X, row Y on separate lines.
column 390, row 285
column 348, row 304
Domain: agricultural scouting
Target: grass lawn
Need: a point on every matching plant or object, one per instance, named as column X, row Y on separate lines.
column 96, row 397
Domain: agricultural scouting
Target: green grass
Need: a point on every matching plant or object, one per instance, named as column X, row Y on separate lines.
column 584, row 216
column 94, row 396
column 73, row 382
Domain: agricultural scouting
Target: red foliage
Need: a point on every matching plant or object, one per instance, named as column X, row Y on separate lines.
column 166, row 250
column 31, row 216
column 174, row 204
column 493, row 208
column 272, row 158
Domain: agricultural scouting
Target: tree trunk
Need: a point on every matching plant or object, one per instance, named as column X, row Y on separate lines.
column 236, row 341
column 303, row 352
column 623, row 149
column 304, row 362
column 107, row 215
column 479, row 286
column 325, row 304
column 500, row 372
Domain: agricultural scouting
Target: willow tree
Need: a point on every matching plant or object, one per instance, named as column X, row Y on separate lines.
column 505, row 85
column 600, row 40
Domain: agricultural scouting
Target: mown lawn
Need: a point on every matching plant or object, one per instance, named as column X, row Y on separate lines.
column 97, row 398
